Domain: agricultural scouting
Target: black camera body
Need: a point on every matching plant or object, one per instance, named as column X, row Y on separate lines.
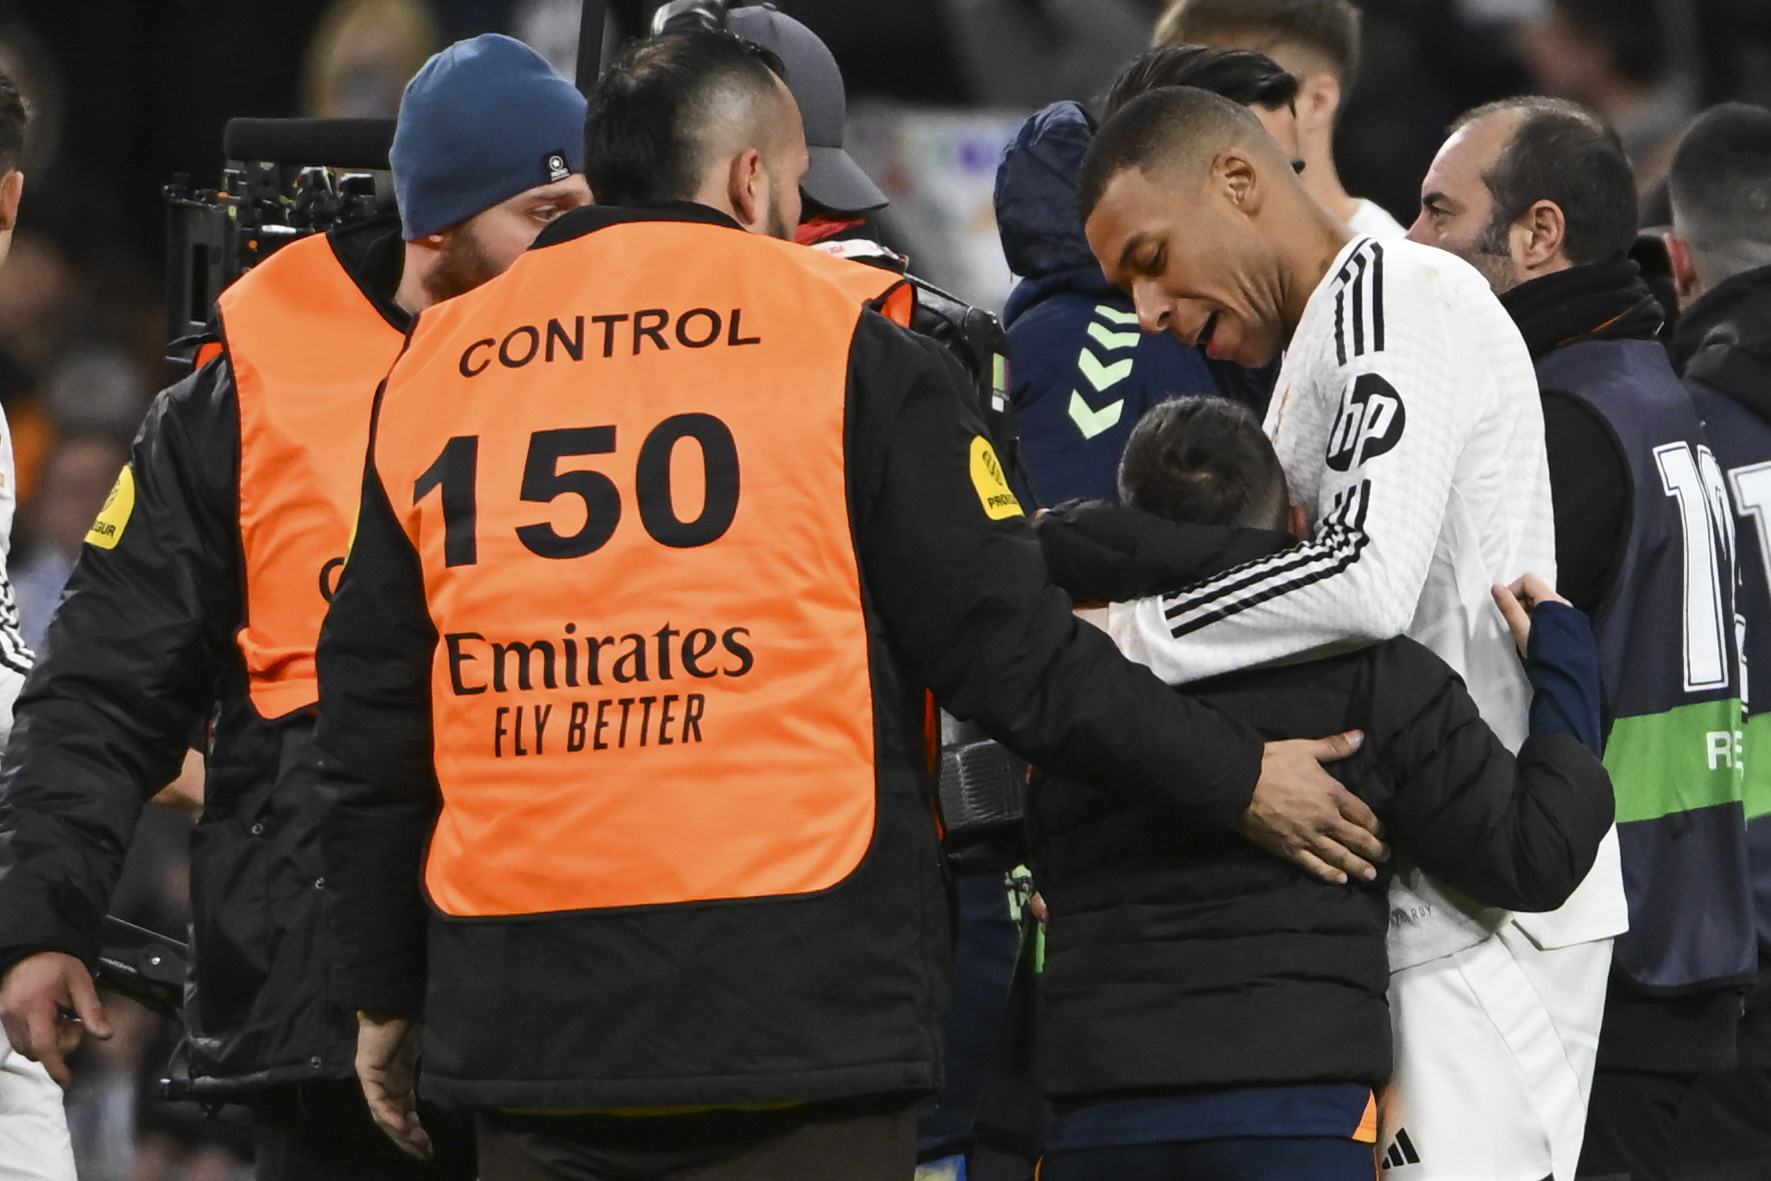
column 284, row 179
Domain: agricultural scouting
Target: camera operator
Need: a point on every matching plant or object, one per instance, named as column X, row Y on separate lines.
column 197, row 601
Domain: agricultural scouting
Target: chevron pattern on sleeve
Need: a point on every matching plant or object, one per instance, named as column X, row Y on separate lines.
column 1106, row 360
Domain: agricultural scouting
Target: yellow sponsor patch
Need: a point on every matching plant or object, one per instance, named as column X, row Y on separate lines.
column 992, row 484
column 107, row 531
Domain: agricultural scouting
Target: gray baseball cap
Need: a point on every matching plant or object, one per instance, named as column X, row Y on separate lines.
column 835, row 180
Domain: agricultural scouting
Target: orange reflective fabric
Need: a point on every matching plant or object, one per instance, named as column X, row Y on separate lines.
column 642, row 723
column 308, row 350
column 899, row 304
column 1366, row 1132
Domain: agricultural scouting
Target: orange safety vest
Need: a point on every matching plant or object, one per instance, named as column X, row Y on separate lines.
column 622, row 467
column 308, row 350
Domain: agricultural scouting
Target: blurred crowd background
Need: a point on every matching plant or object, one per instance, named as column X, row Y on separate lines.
column 127, row 93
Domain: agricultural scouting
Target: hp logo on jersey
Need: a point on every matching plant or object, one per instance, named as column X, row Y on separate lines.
column 1370, row 423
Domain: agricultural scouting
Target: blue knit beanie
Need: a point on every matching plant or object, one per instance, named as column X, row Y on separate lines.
column 484, row 120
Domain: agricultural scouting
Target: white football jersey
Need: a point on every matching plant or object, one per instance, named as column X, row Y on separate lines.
column 1373, row 220
column 15, row 657
column 1408, row 422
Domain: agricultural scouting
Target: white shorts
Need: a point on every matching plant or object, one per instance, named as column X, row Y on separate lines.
column 1494, row 1062
column 34, row 1143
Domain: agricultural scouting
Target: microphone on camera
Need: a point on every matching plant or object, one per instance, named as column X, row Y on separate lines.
column 340, row 143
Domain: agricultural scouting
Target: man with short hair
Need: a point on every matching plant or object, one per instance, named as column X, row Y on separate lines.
column 1315, row 41
column 1720, row 246
column 195, row 606
column 718, row 120
column 1407, row 419
column 34, row 1144
column 681, row 908
column 1537, row 194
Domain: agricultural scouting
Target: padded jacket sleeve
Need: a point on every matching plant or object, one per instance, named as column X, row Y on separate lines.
column 374, row 737
column 972, row 612
column 126, row 677
column 1108, row 553
column 1515, row 833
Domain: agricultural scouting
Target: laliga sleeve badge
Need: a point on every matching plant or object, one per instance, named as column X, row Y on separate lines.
column 994, row 493
column 107, row 531
column 554, row 164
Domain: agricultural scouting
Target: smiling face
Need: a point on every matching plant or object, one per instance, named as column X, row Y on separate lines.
column 1192, row 258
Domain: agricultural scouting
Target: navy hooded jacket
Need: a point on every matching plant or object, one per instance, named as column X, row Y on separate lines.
column 1081, row 373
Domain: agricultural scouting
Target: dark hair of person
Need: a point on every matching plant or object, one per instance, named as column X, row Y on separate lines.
column 1634, row 32
column 1204, row 461
column 1169, row 124
column 1330, row 27
column 1563, row 153
column 1721, row 178
column 1252, row 79
column 12, row 125
column 645, row 136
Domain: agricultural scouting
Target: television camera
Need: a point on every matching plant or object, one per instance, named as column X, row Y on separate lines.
column 284, row 179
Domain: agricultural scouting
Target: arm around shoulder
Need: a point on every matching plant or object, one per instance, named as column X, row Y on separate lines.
column 972, row 613
column 1519, row 833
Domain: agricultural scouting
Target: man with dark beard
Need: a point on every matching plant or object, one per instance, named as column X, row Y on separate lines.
column 196, row 606
column 1538, row 196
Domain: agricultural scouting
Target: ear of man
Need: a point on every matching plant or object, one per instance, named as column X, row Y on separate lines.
column 1539, row 238
column 12, row 191
column 747, row 188
column 1239, row 170
column 1686, row 281
column 1318, row 101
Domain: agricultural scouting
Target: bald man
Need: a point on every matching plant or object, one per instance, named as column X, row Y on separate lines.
column 1407, row 419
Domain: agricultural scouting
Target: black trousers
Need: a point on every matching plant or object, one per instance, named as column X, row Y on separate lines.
column 1669, row 1111
column 1632, row 1125
column 823, row 1142
column 322, row 1131
column 1657, row 1127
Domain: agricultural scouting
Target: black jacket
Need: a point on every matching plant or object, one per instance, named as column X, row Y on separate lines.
column 1179, row 958
column 140, row 660
column 797, row 998
column 1724, row 340
column 1589, row 475
column 1722, row 349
